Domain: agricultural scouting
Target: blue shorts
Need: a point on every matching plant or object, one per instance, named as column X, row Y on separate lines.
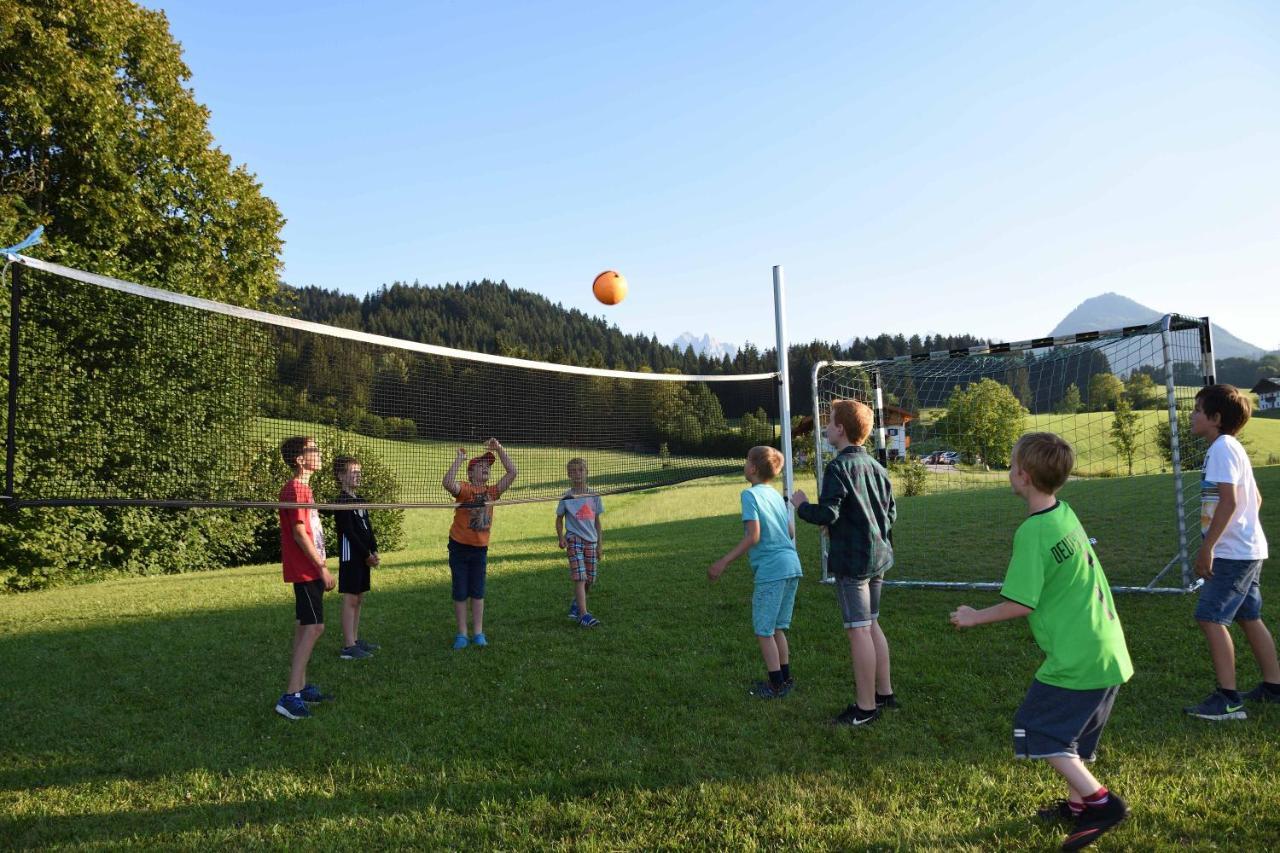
column 771, row 605
column 1232, row 593
column 467, row 564
column 859, row 600
column 1058, row 721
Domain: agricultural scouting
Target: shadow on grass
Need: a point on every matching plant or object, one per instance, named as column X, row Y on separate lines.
column 156, row 709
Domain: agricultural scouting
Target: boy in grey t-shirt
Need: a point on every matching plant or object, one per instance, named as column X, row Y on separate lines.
column 582, row 539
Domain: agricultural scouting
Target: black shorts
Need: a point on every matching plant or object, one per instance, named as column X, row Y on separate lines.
column 309, row 602
column 468, row 565
column 353, row 579
column 1057, row 721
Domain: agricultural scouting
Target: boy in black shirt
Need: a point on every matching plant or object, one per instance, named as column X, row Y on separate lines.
column 357, row 554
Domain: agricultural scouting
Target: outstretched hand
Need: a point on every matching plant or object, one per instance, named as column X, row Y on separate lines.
column 798, row 498
column 493, row 444
column 964, row 616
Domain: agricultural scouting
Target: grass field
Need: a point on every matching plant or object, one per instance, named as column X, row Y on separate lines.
column 138, row 712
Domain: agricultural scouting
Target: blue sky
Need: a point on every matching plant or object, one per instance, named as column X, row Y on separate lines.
column 916, row 167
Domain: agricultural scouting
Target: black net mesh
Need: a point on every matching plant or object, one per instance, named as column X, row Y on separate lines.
column 124, row 398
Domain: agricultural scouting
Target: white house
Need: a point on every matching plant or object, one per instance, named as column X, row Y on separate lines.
column 1268, row 391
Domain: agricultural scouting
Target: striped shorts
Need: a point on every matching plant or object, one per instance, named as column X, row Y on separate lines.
column 583, row 558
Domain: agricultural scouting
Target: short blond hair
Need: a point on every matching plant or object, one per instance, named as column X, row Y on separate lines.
column 767, row 460
column 1047, row 458
column 855, row 417
column 577, row 460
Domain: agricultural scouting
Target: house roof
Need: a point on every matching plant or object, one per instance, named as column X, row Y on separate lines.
column 1267, row 386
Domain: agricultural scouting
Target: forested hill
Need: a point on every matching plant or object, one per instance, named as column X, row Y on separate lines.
column 493, row 317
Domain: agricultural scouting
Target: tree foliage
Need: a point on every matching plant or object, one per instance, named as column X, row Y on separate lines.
column 1105, row 391
column 1125, row 425
column 985, row 419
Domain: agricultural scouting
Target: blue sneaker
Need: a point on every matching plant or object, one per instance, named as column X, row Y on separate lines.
column 311, row 693
column 460, row 642
column 574, row 614
column 367, row 646
column 588, row 621
column 354, row 653
column 291, row 707
column 1217, row 707
column 480, row 640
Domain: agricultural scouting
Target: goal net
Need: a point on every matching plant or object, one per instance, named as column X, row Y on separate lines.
column 124, row 394
column 945, row 423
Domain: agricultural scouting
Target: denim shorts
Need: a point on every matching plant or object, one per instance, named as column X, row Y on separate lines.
column 1057, row 721
column 467, row 564
column 859, row 600
column 771, row 606
column 1232, row 593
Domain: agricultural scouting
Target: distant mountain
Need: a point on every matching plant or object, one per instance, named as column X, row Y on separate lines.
column 1112, row 311
column 705, row 345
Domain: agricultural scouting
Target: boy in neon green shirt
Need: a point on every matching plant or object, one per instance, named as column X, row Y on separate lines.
column 1056, row 581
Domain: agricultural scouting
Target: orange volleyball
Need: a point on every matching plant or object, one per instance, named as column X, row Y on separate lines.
column 610, row 287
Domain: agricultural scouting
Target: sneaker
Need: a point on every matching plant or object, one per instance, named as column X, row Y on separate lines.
column 367, row 646
column 766, row 690
column 311, row 693
column 1262, row 694
column 1094, row 821
column 460, row 642
column 291, row 707
column 588, row 621
column 1217, row 707
column 852, row 715
column 790, row 684
column 574, row 613
column 887, row 701
column 480, row 640
column 354, row 653
column 1058, row 810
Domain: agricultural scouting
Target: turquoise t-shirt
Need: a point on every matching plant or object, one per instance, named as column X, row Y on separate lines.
column 1056, row 573
column 774, row 557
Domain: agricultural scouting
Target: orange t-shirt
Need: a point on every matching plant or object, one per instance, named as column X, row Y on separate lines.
column 474, row 515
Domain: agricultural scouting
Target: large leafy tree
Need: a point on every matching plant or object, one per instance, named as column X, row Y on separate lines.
column 984, row 420
column 103, row 143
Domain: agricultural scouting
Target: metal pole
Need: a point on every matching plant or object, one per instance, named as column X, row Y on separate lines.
column 10, row 441
column 784, row 385
column 818, row 462
column 1175, row 450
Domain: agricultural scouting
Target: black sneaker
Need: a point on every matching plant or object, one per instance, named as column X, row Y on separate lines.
column 887, row 701
column 852, row 715
column 1262, row 694
column 1058, row 810
column 790, row 684
column 1094, row 821
column 1217, row 707
column 765, row 690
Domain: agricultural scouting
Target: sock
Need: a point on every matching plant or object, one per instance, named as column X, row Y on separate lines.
column 1232, row 695
column 775, row 678
column 1097, row 798
column 883, row 697
column 1266, row 685
column 786, row 674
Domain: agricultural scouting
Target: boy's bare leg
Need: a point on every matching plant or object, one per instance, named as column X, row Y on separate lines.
column 884, row 682
column 580, row 595
column 1079, row 780
column 460, row 611
column 1264, row 648
column 769, row 651
column 350, row 619
column 1222, row 651
column 477, row 615
column 862, row 648
column 784, row 650
column 304, row 640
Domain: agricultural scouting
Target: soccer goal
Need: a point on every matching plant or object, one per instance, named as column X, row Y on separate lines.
column 122, row 394
column 945, row 423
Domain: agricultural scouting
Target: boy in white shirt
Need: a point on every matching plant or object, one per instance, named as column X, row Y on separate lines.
column 1231, row 555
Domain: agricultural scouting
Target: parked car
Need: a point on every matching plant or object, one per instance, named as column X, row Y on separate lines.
column 949, row 457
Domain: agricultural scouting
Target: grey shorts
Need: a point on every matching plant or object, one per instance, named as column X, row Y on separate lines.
column 1057, row 721
column 859, row 600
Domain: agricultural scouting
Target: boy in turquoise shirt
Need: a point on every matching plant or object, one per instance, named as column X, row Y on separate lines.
column 769, row 540
column 1056, row 581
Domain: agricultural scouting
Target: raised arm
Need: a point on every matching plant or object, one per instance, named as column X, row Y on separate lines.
column 509, row 477
column 450, row 481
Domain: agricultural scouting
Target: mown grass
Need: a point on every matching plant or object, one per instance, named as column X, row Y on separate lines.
column 138, row 712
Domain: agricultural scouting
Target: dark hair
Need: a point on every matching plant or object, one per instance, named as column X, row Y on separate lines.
column 293, row 447
column 342, row 463
column 1232, row 408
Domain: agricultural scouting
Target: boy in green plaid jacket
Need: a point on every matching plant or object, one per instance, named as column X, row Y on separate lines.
column 856, row 506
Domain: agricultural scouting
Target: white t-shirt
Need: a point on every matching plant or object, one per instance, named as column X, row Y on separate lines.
column 1227, row 462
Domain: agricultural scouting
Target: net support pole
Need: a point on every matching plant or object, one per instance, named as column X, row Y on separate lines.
column 1175, row 441
column 784, row 385
column 1210, row 368
column 11, row 426
column 817, row 463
